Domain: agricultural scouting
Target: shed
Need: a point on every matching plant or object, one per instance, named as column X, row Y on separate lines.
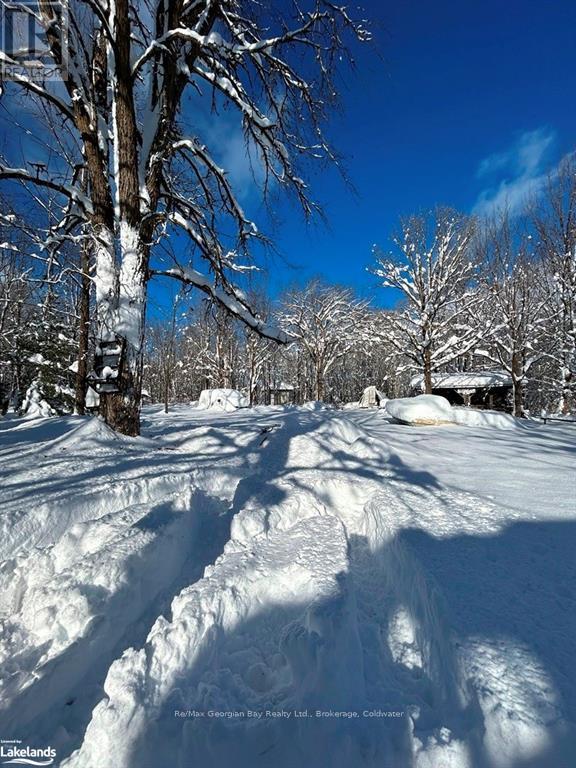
column 282, row 394
column 478, row 389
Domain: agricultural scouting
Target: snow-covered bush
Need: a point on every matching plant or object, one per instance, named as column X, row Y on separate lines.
column 34, row 405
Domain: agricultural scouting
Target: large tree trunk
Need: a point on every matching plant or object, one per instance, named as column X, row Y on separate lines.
column 427, row 371
column 121, row 409
column 83, row 333
column 517, row 388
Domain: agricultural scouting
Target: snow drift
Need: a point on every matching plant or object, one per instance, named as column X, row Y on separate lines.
column 288, row 560
column 470, row 417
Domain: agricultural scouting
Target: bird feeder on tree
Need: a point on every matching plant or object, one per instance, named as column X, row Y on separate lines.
column 104, row 378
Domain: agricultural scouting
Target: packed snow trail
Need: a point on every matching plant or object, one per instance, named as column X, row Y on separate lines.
column 419, row 613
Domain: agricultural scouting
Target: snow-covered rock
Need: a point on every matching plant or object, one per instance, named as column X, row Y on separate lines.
column 423, row 409
column 222, row 400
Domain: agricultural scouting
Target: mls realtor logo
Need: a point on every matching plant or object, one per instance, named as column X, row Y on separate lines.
column 33, row 40
column 12, row 753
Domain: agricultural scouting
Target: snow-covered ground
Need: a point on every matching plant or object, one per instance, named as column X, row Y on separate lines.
column 289, row 586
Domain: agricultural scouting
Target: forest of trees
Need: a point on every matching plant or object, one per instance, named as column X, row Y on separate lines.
column 470, row 295
column 132, row 190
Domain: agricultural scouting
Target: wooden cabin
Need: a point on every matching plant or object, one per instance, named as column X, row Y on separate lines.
column 476, row 389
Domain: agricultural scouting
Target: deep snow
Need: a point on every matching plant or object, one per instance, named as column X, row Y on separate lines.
column 414, row 585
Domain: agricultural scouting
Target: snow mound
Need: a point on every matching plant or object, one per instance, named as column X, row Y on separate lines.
column 316, row 405
column 221, row 400
column 92, row 434
column 371, row 398
column 469, row 417
column 423, row 409
column 339, row 429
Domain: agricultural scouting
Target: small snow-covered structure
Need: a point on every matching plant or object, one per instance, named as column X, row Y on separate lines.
column 221, row 400
column 421, row 410
column 371, row 398
column 478, row 389
column 282, row 394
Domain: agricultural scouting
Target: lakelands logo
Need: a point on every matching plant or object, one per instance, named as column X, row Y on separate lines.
column 13, row 754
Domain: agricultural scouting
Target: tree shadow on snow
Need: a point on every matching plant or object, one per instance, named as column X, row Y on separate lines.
column 419, row 602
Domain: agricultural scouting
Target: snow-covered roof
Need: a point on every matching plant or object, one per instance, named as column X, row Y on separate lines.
column 468, row 379
column 282, row 385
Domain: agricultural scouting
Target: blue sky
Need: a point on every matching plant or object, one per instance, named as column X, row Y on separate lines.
column 466, row 103
column 458, row 103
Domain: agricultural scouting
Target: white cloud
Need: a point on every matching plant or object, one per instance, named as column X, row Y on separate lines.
column 525, row 168
column 223, row 135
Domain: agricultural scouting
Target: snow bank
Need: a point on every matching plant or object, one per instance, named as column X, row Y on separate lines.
column 221, row 400
column 469, row 417
column 69, row 604
column 91, row 433
column 423, row 409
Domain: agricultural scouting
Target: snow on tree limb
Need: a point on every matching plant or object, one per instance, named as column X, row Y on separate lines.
column 234, row 303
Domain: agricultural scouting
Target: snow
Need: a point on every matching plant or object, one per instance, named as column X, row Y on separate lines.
column 371, row 397
column 92, row 398
column 38, row 359
column 465, row 380
column 34, row 406
column 423, row 409
column 221, row 400
column 470, row 417
column 258, row 587
column 435, row 410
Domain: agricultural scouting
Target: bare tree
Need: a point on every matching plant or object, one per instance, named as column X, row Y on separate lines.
column 127, row 70
column 554, row 219
column 434, row 272
column 327, row 323
column 516, row 302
